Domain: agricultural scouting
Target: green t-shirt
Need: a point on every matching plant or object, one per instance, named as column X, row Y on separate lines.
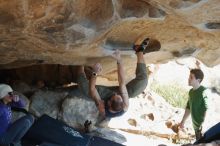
column 197, row 104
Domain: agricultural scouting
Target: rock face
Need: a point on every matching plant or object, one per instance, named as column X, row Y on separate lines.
column 77, row 110
column 46, row 103
column 77, row 32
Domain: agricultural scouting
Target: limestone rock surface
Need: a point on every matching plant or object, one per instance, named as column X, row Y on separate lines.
column 73, row 32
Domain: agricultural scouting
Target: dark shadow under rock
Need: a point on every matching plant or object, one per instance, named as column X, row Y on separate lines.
column 184, row 52
column 115, row 44
column 213, row 25
column 154, row 45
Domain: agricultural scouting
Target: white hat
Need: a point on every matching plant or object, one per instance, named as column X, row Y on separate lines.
column 4, row 90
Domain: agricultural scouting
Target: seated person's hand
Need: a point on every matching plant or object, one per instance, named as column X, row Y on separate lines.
column 15, row 98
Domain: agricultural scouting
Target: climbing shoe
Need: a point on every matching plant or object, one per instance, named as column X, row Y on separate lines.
column 142, row 46
column 147, row 46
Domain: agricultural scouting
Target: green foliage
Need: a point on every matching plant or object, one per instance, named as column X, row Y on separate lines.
column 174, row 94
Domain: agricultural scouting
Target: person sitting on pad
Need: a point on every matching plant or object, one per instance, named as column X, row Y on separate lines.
column 11, row 133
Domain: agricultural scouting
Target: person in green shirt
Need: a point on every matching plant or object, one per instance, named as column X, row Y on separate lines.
column 197, row 102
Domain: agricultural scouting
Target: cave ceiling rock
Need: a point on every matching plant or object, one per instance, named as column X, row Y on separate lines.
column 83, row 32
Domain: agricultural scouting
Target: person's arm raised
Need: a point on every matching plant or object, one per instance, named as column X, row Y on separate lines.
column 93, row 91
column 121, row 79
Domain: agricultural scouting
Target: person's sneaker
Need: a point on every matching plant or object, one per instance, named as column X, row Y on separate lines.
column 142, row 46
column 147, row 46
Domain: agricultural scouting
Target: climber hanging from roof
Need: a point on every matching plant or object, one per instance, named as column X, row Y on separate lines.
column 111, row 103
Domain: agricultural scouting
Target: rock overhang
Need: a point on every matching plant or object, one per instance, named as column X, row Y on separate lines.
column 84, row 32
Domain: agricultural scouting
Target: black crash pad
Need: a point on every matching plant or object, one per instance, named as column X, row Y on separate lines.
column 49, row 131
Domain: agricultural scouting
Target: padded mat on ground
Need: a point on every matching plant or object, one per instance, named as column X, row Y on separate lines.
column 47, row 129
